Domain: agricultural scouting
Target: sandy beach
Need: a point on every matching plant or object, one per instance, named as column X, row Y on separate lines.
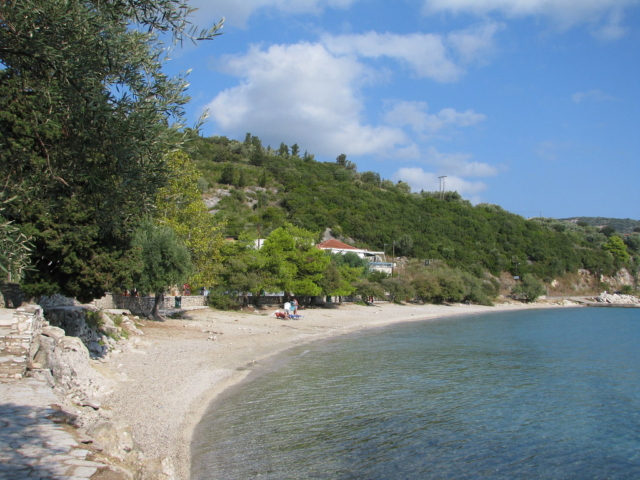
column 165, row 384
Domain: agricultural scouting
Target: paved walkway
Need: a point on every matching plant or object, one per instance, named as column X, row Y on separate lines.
column 32, row 446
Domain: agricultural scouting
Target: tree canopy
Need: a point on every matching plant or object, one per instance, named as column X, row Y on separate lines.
column 179, row 205
column 163, row 260
column 87, row 118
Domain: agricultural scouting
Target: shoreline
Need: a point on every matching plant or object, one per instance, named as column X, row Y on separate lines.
column 164, row 386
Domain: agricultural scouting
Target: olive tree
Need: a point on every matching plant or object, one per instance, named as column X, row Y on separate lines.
column 163, row 258
column 87, row 118
column 530, row 288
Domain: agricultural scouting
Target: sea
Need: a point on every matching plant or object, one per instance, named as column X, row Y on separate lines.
column 548, row 394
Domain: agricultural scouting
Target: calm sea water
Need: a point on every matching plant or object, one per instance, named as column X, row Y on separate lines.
column 551, row 394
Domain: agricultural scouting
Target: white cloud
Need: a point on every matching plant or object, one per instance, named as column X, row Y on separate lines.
column 419, row 179
column 612, row 28
column 414, row 114
column 425, row 53
column 475, row 43
column 457, row 164
column 238, row 12
column 440, row 57
column 565, row 13
column 595, row 95
column 551, row 151
column 301, row 94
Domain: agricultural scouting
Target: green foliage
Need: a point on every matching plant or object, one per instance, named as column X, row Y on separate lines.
column 164, row 258
column 339, row 278
column 530, row 288
column 180, row 206
column 607, row 230
column 244, row 271
column 365, row 289
column 86, row 119
column 15, row 248
column 378, row 214
column 618, row 249
column 222, row 300
column 627, row 290
column 377, row 276
column 293, row 261
column 633, row 242
column 620, row 225
column 93, row 319
column 398, row 289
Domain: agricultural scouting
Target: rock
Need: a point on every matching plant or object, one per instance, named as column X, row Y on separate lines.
column 68, row 361
column 86, row 403
column 617, row 298
column 53, row 332
column 116, row 440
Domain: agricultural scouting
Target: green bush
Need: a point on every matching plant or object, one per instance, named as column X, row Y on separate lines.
column 627, row 290
column 530, row 288
column 93, row 319
column 222, row 300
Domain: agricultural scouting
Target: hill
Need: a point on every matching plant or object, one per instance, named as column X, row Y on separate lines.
column 621, row 225
column 256, row 189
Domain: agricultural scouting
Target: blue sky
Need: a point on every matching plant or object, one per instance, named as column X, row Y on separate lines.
column 533, row 105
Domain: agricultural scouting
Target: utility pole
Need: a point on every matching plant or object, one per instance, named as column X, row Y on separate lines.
column 442, row 186
column 393, row 256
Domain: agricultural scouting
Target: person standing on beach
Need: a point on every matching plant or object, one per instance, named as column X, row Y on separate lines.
column 294, row 306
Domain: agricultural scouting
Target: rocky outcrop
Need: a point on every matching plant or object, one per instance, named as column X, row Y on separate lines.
column 615, row 298
column 64, row 362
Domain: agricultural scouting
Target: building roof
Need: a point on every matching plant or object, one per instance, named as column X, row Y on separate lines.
column 333, row 243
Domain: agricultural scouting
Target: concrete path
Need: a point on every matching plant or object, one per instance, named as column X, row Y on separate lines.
column 32, row 446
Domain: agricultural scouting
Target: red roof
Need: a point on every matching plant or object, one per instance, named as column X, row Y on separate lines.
column 336, row 244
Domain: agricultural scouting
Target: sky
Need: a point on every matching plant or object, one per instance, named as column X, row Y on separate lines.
column 533, row 105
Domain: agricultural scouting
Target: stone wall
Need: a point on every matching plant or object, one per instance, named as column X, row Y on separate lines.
column 136, row 305
column 144, row 305
column 15, row 344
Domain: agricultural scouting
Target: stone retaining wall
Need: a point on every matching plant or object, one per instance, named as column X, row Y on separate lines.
column 144, row 305
column 15, row 346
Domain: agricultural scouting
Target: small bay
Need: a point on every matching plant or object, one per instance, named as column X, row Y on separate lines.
column 551, row 393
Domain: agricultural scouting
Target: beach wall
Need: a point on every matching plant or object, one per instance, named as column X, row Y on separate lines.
column 16, row 340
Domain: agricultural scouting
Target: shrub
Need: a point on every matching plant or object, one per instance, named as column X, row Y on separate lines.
column 398, row 288
column 627, row 290
column 530, row 288
column 222, row 300
column 93, row 319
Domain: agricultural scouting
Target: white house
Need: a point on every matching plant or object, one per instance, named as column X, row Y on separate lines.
column 377, row 260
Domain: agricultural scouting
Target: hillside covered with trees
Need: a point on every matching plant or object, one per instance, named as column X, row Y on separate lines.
column 620, row 225
column 258, row 189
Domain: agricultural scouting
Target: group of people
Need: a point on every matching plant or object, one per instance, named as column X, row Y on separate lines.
column 290, row 309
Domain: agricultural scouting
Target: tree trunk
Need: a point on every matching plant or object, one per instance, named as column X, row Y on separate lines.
column 155, row 313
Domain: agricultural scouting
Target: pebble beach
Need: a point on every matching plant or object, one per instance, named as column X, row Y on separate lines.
column 166, row 384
